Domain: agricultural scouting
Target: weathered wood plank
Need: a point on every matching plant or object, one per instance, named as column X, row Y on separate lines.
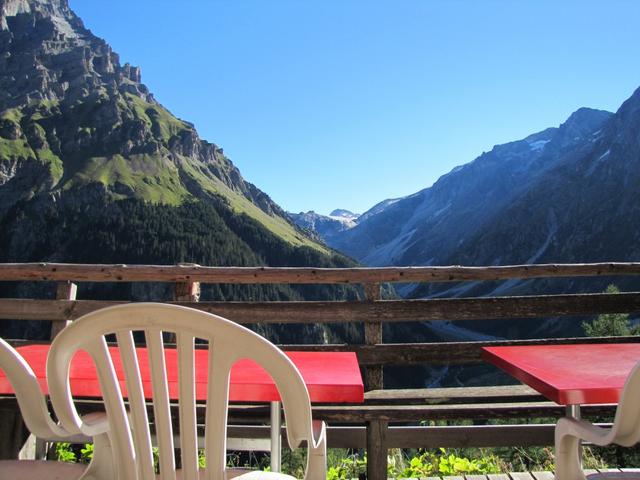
column 543, row 475
column 337, row 312
column 471, row 436
column 506, row 393
column 415, row 413
column 373, row 375
column 447, row 353
column 521, row 476
column 64, row 291
column 498, row 476
column 197, row 273
column 377, row 450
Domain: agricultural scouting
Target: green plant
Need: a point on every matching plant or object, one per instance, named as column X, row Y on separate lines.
column 610, row 324
column 86, row 454
column 64, row 453
column 419, row 466
column 351, row 466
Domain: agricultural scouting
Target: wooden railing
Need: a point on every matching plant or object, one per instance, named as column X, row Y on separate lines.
column 369, row 424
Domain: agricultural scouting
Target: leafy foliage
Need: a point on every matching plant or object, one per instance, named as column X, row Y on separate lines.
column 610, row 324
column 89, row 227
column 64, row 453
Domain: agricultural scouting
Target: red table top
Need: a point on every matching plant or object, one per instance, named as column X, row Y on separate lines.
column 331, row 377
column 569, row 374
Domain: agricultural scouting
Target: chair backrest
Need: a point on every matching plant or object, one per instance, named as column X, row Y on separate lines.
column 626, row 425
column 29, row 395
column 130, row 433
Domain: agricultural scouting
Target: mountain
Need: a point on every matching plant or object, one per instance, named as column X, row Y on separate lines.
column 432, row 226
column 585, row 209
column 94, row 169
column 324, row 227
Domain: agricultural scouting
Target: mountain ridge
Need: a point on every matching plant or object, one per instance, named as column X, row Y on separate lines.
column 74, row 116
column 421, row 228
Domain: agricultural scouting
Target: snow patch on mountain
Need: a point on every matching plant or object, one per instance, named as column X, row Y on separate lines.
column 538, row 145
column 600, row 160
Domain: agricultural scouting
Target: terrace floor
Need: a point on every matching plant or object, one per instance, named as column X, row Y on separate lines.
column 605, row 473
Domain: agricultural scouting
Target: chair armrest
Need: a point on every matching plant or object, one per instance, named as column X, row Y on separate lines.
column 95, row 423
column 319, row 431
column 584, row 431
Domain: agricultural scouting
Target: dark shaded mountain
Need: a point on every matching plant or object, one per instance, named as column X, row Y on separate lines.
column 430, row 226
column 94, row 169
column 325, row 227
column 584, row 209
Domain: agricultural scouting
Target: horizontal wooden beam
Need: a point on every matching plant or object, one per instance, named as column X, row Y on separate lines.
column 340, row 312
column 505, row 393
column 471, row 436
column 418, row 413
column 451, row 353
column 197, row 273
column 427, row 437
column 479, row 436
column 442, row 353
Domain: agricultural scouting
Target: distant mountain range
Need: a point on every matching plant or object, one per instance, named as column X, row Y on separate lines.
column 565, row 194
column 433, row 226
column 325, row 227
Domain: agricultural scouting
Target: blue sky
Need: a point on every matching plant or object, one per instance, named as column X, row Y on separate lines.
column 344, row 103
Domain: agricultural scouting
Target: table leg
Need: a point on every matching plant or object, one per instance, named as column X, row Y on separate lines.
column 275, row 437
column 573, row 411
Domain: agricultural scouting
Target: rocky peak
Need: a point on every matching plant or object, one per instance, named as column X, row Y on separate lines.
column 71, row 115
column 46, row 54
column 56, row 11
column 582, row 123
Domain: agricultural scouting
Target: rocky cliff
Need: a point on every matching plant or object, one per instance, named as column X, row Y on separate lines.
column 71, row 115
column 93, row 169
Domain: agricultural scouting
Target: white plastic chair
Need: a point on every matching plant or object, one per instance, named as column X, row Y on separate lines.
column 625, row 431
column 36, row 416
column 129, row 432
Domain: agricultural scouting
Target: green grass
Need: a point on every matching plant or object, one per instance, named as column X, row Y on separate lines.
column 148, row 176
column 240, row 204
column 13, row 114
column 153, row 178
column 56, row 166
column 156, row 117
column 15, row 149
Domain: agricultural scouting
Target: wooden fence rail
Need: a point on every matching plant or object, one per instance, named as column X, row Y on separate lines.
column 389, row 418
column 364, row 312
column 244, row 275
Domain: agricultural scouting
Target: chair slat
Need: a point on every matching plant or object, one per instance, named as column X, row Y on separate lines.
column 118, row 421
column 187, row 406
column 220, row 362
column 161, row 410
column 137, row 406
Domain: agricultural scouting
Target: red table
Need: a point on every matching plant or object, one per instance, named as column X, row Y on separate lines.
column 331, row 377
column 569, row 374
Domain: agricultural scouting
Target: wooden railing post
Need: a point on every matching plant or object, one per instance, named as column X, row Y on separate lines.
column 377, row 450
column 187, row 292
column 64, row 291
column 184, row 292
column 373, row 335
